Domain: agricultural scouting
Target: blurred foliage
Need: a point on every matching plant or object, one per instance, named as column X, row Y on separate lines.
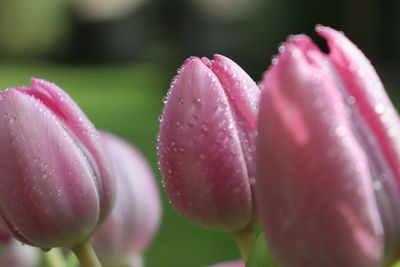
column 29, row 28
column 260, row 256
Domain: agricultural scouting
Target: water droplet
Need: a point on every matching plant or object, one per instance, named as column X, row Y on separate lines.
column 340, row 131
column 204, row 129
column 12, row 119
column 379, row 108
column 392, row 132
column 274, row 60
column 296, row 53
column 351, row 100
column 360, row 167
column 160, row 118
column 377, row 185
column 190, row 124
column 196, row 101
column 318, row 27
column 173, row 82
column 164, row 99
column 282, row 48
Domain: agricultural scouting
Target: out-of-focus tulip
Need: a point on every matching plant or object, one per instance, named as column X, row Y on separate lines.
column 127, row 232
column 15, row 254
column 328, row 157
column 206, row 143
column 238, row 263
column 55, row 185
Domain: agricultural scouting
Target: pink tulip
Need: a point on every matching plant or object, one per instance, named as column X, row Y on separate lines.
column 206, row 143
column 328, row 158
column 238, row 263
column 55, row 186
column 136, row 216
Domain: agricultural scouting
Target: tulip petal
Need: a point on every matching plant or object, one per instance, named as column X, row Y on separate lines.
column 61, row 104
column 201, row 158
column 365, row 86
column 243, row 95
column 315, row 189
column 382, row 122
column 135, row 218
column 35, row 175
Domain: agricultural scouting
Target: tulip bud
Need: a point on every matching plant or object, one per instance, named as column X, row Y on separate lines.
column 328, row 157
column 206, row 143
column 136, row 215
column 55, row 185
column 238, row 263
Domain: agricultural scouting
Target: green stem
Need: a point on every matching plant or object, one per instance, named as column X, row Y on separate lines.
column 54, row 258
column 86, row 255
column 245, row 240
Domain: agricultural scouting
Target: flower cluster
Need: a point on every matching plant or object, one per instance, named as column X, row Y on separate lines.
column 314, row 154
column 59, row 178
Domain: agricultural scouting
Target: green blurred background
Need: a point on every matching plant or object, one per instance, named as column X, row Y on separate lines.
column 116, row 59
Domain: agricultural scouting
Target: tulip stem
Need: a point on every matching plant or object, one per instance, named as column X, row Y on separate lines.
column 86, row 255
column 245, row 240
column 54, row 258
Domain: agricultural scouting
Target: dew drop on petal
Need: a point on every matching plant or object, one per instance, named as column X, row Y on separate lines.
column 282, row 48
column 379, row 108
column 377, row 185
column 351, row 100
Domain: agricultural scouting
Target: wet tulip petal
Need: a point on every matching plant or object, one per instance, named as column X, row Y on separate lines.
column 205, row 143
column 50, row 184
column 135, row 218
column 320, row 153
